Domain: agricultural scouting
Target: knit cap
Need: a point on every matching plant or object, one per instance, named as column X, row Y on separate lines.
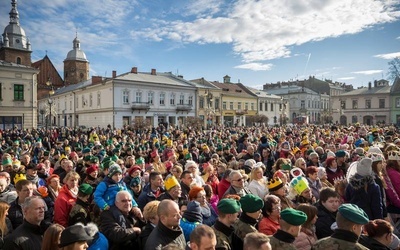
column 193, row 212
column 113, row 169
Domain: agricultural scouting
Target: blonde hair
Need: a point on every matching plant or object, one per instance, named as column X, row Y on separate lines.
column 71, row 174
column 150, row 210
column 3, row 225
column 254, row 170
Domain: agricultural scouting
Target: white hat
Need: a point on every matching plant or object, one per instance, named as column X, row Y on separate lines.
column 364, row 167
column 374, row 150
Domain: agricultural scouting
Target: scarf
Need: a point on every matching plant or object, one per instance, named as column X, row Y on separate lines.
column 34, row 179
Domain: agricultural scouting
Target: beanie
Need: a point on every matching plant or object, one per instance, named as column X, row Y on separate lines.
column 113, row 169
column 193, row 212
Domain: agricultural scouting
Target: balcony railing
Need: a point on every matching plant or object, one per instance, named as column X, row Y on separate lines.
column 140, row 106
column 184, row 108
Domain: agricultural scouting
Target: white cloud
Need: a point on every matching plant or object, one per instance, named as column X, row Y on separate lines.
column 368, row 72
column 346, row 78
column 388, row 56
column 255, row 66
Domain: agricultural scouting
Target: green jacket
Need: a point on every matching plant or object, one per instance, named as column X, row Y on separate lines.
column 223, row 235
column 340, row 240
column 282, row 240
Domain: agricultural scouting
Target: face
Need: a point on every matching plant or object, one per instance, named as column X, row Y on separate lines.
column 158, row 181
column 334, row 164
column 80, row 245
column 192, row 169
column 72, row 182
column 206, row 243
column 26, row 191
column 94, row 174
column 237, row 181
column 124, row 203
column 233, row 217
column 188, row 179
column 176, row 192
column 331, row 204
column 313, row 176
column 177, row 173
column 173, row 217
column 117, row 177
column 54, row 183
column 35, row 212
column 31, row 172
column 201, row 197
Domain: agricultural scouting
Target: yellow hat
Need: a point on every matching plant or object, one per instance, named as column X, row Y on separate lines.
column 295, row 150
column 16, row 163
column 19, row 177
column 170, row 182
column 275, row 184
column 169, row 143
column 299, row 184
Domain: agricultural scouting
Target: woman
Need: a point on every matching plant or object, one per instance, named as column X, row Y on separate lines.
column 307, row 236
column 151, row 217
column 301, row 163
column 74, row 238
column 392, row 180
column 5, row 223
column 53, row 186
column 207, row 211
column 377, row 169
column 66, row 198
column 211, row 197
column 379, row 235
column 332, row 170
column 258, row 183
column 51, row 237
column 176, row 170
column 269, row 224
column 323, row 178
column 313, row 182
column 157, row 164
column 209, row 177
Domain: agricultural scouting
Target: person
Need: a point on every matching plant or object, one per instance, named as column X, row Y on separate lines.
column 167, row 230
column 80, row 212
column 237, row 184
column 327, row 206
column 290, row 223
column 186, row 183
column 209, row 215
column 271, row 210
column 30, row 233
column 379, row 235
column 332, row 170
column 150, row 215
column 118, row 225
column 152, row 190
column 51, row 237
column 99, row 242
column 323, row 178
column 228, row 211
column 350, row 220
column 24, row 190
column 258, row 183
column 191, row 218
column 66, row 198
column 256, row 241
column 313, row 181
column 224, row 183
column 277, row 187
column 307, row 236
column 194, row 169
column 173, row 190
column 202, row 237
column 5, row 223
column 303, row 194
column 53, row 186
column 251, row 212
column 6, row 194
column 74, row 238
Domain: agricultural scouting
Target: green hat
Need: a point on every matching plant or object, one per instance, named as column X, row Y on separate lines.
column 251, row 203
column 293, row 217
column 6, row 161
column 353, row 213
column 114, row 169
column 78, row 149
column 114, row 158
column 226, row 147
column 107, row 164
column 116, row 150
column 46, row 153
column 140, row 160
column 86, row 189
column 94, row 159
column 219, row 147
column 228, row 206
column 86, row 150
column 87, row 158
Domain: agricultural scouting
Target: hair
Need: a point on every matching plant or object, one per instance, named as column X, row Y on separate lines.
column 226, row 173
column 378, row 228
column 51, row 237
column 327, row 193
column 199, row 232
column 121, row 193
column 269, row 201
column 254, row 170
column 184, row 173
column 329, row 160
column 178, row 168
column 163, row 207
column 71, row 174
column 233, row 173
column 28, row 201
column 379, row 173
column 393, row 164
column 208, row 189
column 153, row 175
column 22, row 183
column 3, row 225
column 194, row 191
column 298, row 162
column 150, row 210
column 172, row 246
column 280, row 162
column 254, row 241
column 343, row 223
column 311, row 211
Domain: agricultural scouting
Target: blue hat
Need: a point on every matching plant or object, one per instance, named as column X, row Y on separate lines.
column 340, row 153
column 86, row 150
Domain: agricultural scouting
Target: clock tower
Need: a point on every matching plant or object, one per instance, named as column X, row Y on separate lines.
column 76, row 66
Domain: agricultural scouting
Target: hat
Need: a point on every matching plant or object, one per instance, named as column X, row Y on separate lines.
column 86, row 150
column 170, row 182
column 46, row 153
column 72, row 155
column 330, row 154
column 31, row 166
column 353, row 213
column 6, row 161
column 228, row 206
column 293, row 217
column 134, row 168
column 48, row 180
column 376, row 157
column 251, row 203
column 299, row 184
column 113, row 169
column 360, row 151
column 135, row 182
column 340, row 153
column 153, row 153
column 193, row 212
column 42, row 191
column 295, row 150
column 92, row 168
column 275, row 184
column 140, row 160
column 86, row 189
column 18, row 177
column 72, row 234
column 364, row 167
column 16, row 163
column 374, row 150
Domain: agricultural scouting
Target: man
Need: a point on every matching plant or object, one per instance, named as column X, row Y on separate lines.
column 118, row 225
column 24, row 190
column 186, row 182
column 173, row 190
column 202, row 238
column 350, row 220
column 256, row 241
column 167, row 230
column 251, row 212
column 290, row 223
column 224, row 184
column 223, row 228
column 328, row 204
column 29, row 234
column 237, row 184
column 152, row 190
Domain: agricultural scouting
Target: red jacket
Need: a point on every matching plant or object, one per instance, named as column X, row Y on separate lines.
column 222, row 187
column 63, row 206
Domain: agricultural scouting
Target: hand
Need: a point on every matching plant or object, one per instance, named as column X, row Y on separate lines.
column 138, row 214
column 136, row 230
column 106, row 208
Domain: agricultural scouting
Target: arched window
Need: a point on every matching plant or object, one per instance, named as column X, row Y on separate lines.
column 18, row 60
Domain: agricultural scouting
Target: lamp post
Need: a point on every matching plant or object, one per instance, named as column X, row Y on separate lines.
column 50, row 101
column 209, row 111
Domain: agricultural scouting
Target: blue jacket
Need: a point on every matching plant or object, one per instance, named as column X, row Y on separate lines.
column 188, row 227
column 106, row 191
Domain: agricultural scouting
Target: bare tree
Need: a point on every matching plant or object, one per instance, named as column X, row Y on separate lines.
column 394, row 68
column 194, row 122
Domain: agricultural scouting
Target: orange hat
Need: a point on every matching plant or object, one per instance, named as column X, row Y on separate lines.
column 42, row 191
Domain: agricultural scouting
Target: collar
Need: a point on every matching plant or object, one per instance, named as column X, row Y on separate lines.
column 345, row 235
column 284, row 236
column 223, row 228
column 173, row 233
column 247, row 219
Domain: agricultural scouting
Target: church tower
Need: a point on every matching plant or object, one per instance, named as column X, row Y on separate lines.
column 14, row 45
column 76, row 66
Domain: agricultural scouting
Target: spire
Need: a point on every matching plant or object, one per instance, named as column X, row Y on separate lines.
column 14, row 16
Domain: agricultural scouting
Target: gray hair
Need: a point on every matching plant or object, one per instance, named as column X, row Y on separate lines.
column 233, row 173
column 29, row 200
column 121, row 193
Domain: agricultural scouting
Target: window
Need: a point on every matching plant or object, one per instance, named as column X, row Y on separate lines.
column 246, row 106
column 367, row 104
column 201, row 102
column 138, row 97
column 231, row 105
column 216, row 103
column 224, row 105
column 181, row 99
column 172, row 99
column 98, row 98
column 398, row 102
column 272, row 107
column 150, row 97
column 266, row 106
column 354, row 119
column 191, row 100
column 70, row 105
column 252, row 106
column 303, row 104
column 83, row 101
column 18, row 60
column 90, row 100
column 355, row 104
column 18, row 92
column 125, row 96
column 162, row 99
column 261, row 106
column 1, row 91
column 381, row 103
column 343, row 104
column 239, row 105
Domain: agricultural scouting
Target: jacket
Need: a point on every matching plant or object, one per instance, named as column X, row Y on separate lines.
column 393, row 187
column 371, row 243
column 222, row 187
column 268, row 226
column 242, row 192
column 26, row 237
column 340, row 240
column 334, row 175
column 188, row 227
column 305, row 239
column 282, row 240
column 63, row 205
column 147, row 195
column 144, row 235
column 243, row 226
column 161, row 236
column 79, row 213
column 324, row 221
column 223, row 235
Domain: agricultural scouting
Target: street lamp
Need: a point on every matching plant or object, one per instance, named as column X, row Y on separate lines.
column 209, row 111
column 283, row 112
column 50, row 101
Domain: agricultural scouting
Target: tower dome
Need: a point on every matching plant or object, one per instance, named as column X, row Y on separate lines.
column 14, row 32
column 76, row 53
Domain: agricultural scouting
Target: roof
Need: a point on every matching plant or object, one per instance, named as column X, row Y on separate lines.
column 285, row 90
column 395, row 89
column 367, row 91
column 202, row 83
column 262, row 93
column 231, row 89
column 10, row 64
column 72, row 87
column 158, row 78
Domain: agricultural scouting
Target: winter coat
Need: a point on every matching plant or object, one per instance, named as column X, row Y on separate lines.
column 161, row 236
column 26, row 237
column 209, row 215
column 63, row 205
column 332, row 176
column 8, row 195
column 315, row 187
column 393, row 187
column 188, row 227
column 222, row 187
column 305, row 239
column 146, row 196
column 371, row 243
column 258, row 189
column 324, row 221
column 340, row 240
column 268, row 226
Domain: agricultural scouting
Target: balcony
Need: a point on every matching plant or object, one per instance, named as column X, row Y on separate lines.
column 183, row 108
column 140, row 106
column 241, row 111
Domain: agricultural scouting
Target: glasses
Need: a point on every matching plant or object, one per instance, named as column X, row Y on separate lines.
column 126, row 200
column 241, row 179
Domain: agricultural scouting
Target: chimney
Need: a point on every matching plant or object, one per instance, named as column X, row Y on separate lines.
column 180, row 76
column 114, row 74
column 96, row 79
column 153, row 72
column 134, row 70
column 369, row 85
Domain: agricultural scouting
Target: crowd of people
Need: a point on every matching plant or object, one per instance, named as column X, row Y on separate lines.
column 289, row 187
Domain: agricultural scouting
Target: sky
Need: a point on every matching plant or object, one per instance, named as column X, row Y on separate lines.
column 253, row 41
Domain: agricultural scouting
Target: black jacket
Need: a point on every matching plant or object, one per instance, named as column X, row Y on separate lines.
column 324, row 222
column 371, row 243
column 26, row 237
column 146, row 231
column 161, row 236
